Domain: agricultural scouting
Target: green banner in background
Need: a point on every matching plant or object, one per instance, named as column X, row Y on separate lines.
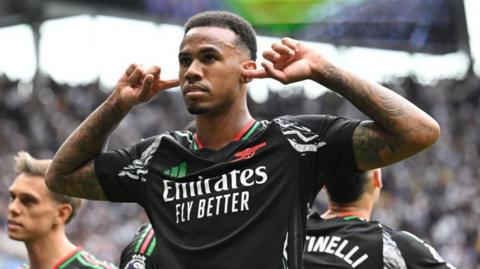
column 284, row 16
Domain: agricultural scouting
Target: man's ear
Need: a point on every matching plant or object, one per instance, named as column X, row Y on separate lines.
column 64, row 212
column 377, row 178
column 248, row 65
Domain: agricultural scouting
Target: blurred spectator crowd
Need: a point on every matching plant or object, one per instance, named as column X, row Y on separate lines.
column 435, row 194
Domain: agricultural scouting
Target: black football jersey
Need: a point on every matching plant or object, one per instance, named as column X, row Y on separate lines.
column 243, row 206
column 140, row 252
column 351, row 242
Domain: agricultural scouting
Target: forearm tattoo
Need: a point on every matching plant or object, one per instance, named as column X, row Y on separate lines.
column 72, row 165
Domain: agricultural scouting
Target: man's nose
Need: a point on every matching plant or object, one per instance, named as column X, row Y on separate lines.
column 194, row 72
column 13, row 207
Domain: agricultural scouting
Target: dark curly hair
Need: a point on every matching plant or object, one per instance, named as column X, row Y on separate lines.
column 238, row 25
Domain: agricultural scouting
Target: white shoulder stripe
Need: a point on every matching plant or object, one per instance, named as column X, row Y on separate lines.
column 392, row 257
column 138, row 168
column 300, row 137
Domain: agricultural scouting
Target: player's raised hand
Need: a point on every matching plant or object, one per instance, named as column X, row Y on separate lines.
column 289, row 61
column 139, row 84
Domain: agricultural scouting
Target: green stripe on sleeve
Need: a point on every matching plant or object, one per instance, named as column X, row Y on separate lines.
column 142, row 238
column 151, row 247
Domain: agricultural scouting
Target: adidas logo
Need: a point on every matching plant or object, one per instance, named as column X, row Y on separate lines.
column 177, row 171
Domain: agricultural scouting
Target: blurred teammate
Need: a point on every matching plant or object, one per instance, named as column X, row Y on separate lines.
column 38, row 217
column 234, row 194
column 345, row 237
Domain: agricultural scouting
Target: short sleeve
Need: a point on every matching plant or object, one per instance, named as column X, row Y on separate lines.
column 324, row 144
column 419, row 254
column 122, row 173
column 335, row 149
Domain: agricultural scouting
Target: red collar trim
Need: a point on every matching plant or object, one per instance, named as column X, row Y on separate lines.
column 345, row 214
column 236, row 138
column 68, row 256
column 244, row 130
column 197, row 141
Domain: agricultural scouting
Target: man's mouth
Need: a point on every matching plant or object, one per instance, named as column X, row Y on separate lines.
column 194, row 89
column 14, row 224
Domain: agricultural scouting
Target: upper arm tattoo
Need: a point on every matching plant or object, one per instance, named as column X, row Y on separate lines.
column 82, row 183
column 400, row 129
column 374, row 147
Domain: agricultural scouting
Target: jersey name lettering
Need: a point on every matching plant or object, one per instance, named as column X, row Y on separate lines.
column 337, row 246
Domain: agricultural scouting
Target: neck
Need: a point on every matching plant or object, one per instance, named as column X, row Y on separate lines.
column 216, row 131
column 356, row 209
column 44, row 253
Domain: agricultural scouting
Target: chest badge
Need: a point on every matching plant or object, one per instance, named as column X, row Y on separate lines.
column 248, row 152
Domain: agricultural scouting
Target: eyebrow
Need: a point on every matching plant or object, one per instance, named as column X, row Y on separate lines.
column 30, row 196
column 201, row 51
column 11, row 193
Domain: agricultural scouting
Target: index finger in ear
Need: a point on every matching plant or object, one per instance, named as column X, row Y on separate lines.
column 249, row 73
column 167, row 84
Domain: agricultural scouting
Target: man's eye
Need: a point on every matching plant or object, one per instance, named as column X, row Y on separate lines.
column 27, row 200
column 184, row 61
column 210, row 58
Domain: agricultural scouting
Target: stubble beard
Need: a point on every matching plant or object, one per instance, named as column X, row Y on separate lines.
column 196, row 110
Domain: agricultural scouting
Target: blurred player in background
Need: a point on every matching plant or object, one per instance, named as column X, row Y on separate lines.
column 234, row 193
column 37, row 217
column 345, row 237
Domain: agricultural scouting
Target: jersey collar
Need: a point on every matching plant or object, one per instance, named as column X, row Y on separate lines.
column 67, row 258
column 244, row 134
column 350, row 216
